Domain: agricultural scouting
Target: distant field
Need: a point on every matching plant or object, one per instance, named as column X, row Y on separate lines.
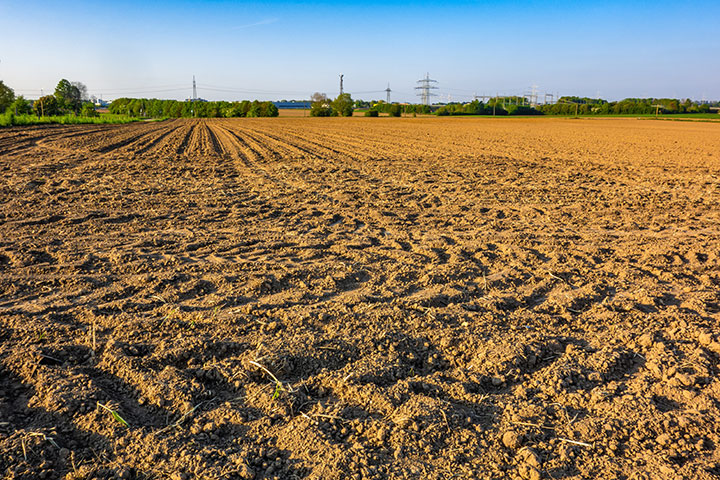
column 374, row 298
column 685, row 116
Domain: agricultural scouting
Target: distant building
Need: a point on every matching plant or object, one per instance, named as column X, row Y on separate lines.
column 292, row 104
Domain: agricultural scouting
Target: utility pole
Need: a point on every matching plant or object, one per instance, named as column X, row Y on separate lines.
column 341, row 84
column 387, row 90
column 426, row 84
column 194, row 97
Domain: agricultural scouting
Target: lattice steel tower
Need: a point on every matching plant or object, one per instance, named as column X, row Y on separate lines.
column 426, row 84
column 194, row 97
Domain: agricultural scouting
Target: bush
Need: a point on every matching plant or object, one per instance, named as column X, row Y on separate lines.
column 395, row 110
column 320, row 110
column 371, row 113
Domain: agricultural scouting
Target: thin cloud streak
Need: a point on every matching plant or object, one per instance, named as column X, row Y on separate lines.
column 267, row 21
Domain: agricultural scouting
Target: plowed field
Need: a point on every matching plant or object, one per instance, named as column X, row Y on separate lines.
column 360, row 298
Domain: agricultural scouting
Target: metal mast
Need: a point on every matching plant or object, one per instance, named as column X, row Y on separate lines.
column 194, row 97
column 426, row 84
column 341, row 84
column 387, row 90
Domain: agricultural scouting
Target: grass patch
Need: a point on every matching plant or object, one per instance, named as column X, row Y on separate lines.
column 9, row 119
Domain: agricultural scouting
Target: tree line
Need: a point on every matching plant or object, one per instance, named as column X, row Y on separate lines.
column 344, row 106
column 68, row 98
column 575, row 106
column 72, row 98
column 155, row 108
column 634, row 106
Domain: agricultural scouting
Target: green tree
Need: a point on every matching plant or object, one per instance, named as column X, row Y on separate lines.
column 320, row 105
column 7, row 95
column 343, row 105
column 254, row 109
column 395, row 110
column 20, row 106
column 88, row 110
column 233, row 110
column 269, row 109
column 69, row 96
column 46, row 106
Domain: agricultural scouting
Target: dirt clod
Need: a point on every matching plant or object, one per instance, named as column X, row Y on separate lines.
column 512, row 439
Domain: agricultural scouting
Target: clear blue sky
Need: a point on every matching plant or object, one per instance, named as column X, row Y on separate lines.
column 276, row 50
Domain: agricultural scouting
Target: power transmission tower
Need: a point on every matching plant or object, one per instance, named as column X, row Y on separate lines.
column 533, row 96
column 341, row 84
column 194, row 97
column 387, row 90
column 426, row 84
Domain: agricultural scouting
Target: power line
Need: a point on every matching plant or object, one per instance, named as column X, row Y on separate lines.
column 219, row 88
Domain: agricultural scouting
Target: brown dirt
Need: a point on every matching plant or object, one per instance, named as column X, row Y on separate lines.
column 360, row 298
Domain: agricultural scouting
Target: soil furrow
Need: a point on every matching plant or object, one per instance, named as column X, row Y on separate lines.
column 380, row 298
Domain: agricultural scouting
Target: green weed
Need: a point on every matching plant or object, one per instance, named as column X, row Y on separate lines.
column 115, row 415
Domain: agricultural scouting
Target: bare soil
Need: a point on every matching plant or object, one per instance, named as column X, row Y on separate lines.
column 360, row 298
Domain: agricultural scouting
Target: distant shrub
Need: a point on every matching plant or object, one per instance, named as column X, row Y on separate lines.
column 522, row 110
column 371, row 113
column 395, row 110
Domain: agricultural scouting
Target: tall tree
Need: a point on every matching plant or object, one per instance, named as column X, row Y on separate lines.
column 343, row 105
column 46, row 106
column 82, row 88
column 68, row 96
column 320, row 105
column 7, row 95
